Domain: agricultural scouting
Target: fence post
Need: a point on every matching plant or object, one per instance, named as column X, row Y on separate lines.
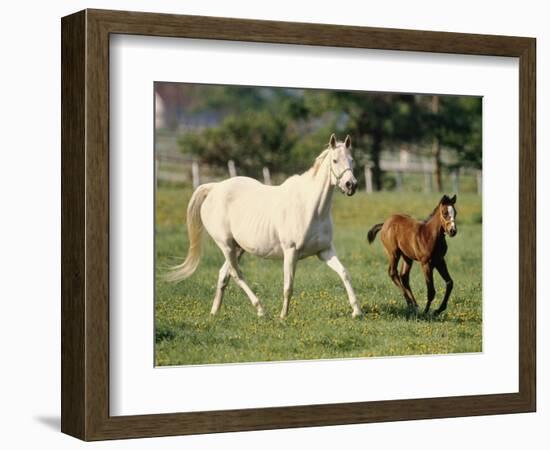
column 196, row 174
column 479, row 179
column 267, row 175
column 428, row 186
column 455, row 175
column 368, row 178
column 399, row 180
column 231, row 168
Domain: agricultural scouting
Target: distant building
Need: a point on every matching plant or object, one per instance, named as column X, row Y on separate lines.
column 160, row 119
column 175, row 107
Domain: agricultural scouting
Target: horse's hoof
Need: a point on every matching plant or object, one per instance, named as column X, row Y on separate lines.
column 357, row 314
column 261, row 312
column 413, row 313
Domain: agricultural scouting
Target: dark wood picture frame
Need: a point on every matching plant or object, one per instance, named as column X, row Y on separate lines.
column 85, row 224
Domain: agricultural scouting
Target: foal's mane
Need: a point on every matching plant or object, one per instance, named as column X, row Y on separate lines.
column 443, row 201
column 432, row 213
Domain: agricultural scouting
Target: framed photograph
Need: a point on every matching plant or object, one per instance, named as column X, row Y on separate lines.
column 273, row 225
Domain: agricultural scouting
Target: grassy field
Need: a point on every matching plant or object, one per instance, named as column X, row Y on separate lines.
column 319, row 325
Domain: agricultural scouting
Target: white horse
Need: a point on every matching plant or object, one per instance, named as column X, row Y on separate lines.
column 290, row 222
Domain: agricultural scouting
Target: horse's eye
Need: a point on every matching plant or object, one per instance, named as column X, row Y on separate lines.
column 334, row 161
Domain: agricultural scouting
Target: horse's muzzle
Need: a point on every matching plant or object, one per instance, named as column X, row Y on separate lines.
column 351, row 187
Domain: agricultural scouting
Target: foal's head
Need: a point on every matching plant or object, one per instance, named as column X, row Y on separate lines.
column 447, row 214
column 341, row 165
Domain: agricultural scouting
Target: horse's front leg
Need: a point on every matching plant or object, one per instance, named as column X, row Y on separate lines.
column 329, row 256
column 441, row 267
column 429, row 277
column 289, row 269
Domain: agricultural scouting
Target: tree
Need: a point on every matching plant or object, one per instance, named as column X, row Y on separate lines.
column 284, row 129
column 461, row 128
column 455, row 125
column 261, row 127
column 253, row 140
column 373, row 119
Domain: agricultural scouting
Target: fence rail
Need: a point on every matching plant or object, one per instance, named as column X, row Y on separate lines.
column 174, row 168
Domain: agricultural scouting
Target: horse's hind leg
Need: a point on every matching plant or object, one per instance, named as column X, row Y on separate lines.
column 223, row 280
column 393, row 258
column 405, row 272
column 441, row 267
column 230, row 253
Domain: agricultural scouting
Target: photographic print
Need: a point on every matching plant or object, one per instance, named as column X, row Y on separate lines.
column 325, row 228
column 305, row 224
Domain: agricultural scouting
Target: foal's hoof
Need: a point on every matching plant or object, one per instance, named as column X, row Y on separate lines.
column 261, row 312
column 357, row 314
column 413, row 312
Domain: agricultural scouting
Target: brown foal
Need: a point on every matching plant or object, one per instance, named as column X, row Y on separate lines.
column 424, row 242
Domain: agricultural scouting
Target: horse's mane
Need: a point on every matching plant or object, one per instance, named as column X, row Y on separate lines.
column 312, row 171
column 443, row 200
column 431, row 214
column 317, row 163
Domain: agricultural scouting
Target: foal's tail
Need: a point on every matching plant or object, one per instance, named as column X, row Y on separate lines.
column 373, row 232
column 194, row 230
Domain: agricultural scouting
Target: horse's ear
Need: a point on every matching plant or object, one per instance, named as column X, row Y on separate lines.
column 348, row 141
column 332, row 141
column 444, row 200
column 452, row 200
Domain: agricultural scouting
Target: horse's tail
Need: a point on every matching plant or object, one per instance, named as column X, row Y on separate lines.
column 373, row 232
column 194, row 230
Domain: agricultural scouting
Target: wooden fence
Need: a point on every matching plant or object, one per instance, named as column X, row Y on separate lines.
column 425, row 168
column 176, row 168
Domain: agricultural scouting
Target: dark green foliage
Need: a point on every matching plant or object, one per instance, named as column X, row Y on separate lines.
column 374, row 120
column 284, row 129
column 459, row 126
column 252, row 139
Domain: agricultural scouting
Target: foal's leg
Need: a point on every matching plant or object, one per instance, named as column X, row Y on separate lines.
column 230, row 253
column 429, row 276
column 223, row 280
column 441, row 267
column 405, row 272
column 329, row 256
column 289, row 268
column 393, row 258
column 393, row 261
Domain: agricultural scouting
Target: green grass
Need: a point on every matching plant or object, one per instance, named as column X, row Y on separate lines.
column 319, row 325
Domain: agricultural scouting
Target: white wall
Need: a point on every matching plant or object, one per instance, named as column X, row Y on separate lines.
column 30, row 220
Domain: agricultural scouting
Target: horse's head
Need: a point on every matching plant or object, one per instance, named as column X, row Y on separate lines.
column 447, row 214
column 341, row 165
